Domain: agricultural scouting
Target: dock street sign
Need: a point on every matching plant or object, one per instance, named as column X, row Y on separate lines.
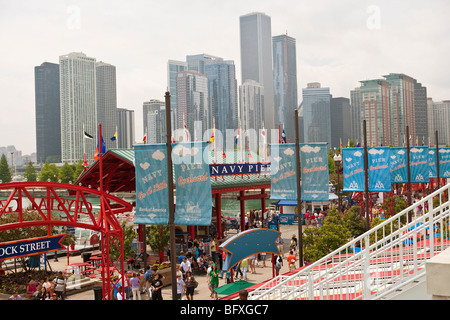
column 28, row 247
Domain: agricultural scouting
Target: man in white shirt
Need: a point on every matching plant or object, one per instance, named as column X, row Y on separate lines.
column 185, row 266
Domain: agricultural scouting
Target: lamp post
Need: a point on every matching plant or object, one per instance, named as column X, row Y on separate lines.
column 337, row 162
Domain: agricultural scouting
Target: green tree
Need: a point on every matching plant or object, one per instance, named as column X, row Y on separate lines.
column 129, row 234
column 66, row 173
column 49, row 172
column 30, row 172
column 78, row 170
column 5, row 172
column 158, row 238
column 353, row 221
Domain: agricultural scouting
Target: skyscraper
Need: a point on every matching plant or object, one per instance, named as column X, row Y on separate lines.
column 256, row 59
column 198, row 62
column 154, row 112
column 375, row 110
column 107, row 101
column 251, row 105
column 125, row 128
column 173, row 68
column 355, row 104
column 285, row 83
column 222, row 91
column 438, row 120
column 421, row 114
column 48, row 126
column 316, row 113
column 341, row 126
column 78, row 106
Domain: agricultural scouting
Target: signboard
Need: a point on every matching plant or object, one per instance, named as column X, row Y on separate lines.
column 432, row 171
column 444, row 162
column 193, row 184
column 419, row 164
column 230, row 169
column 379, row 169
column 353, row 169
column 398, row 165
column 28, row 247
column 283, row 178
column 152, row 194
column 314, row 171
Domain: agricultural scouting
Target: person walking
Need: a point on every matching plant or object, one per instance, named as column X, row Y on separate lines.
column 214, row 276
column 291, row 260
column 59, row 285
column 157, row 286
column 181, row 287
column 135, row 286
column 244, row 264
column 190, row 284
column 278, row 265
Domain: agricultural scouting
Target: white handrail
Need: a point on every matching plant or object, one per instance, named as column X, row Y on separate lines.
column 388, row 259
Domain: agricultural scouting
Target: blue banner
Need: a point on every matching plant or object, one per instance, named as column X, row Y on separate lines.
column 419, row 164
column 193, row 184
column 283, row 183
column 444, row 162
column 314, row 172
column 353, row 169
column 379, row 169
column 432, row 171
column 23, row 248
column 152, row 193
column 398, row 165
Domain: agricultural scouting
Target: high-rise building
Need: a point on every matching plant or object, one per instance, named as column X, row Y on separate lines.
column 375, row 110
column 402, row 111
column 285, row 83
column 251, row 110
column 223, row 99
column 78, row 106
column 173, row 68
column 107, row 102
column 438, row 120
column 125, row 128
column 48, row 125
column 355, row 104
column 341, row 126
column 256, row 60
column 421, row 114
column 192, row 103
column 198, row 62
column 316, row 113
column 154, row 112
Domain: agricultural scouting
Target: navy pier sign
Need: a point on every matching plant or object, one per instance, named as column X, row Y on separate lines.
column 231, row 169
column 28, row 247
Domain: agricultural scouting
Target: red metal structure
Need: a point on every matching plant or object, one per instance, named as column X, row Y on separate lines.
column 75, row 211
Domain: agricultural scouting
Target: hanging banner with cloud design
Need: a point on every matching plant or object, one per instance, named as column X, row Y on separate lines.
column 398, row 165
column 283, row 183
column 314, row 172
column 193, row 184
column 152, row 194
column 432, row 171
column 419, row 164
column 444, row 162
column 379, row 169
column 353, row 169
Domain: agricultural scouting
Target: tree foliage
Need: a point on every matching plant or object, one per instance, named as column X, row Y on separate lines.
column 49, row 172
column 158, row 237
column 5, row 172
column 129, row 234
column 30, row 172
column 66, row 173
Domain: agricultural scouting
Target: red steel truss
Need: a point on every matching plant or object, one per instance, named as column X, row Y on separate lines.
column 74, row 212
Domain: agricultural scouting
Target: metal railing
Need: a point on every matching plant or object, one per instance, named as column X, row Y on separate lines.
column 375, row 264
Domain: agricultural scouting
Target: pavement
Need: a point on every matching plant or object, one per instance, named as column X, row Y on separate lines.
column 202, row 292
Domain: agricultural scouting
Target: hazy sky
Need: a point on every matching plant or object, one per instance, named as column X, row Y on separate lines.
column 339, row 43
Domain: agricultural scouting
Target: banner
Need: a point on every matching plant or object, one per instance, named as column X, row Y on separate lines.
column 432, row 171
column 418, row 161
column 444, row 162
column 283, row 183
column 314, row 172
column 353, row 169
column 398, row 162
column 193, row 184
column 27, row 247
column 152, row 194
column 379, row 169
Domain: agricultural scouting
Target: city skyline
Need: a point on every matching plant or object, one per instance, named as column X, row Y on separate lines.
column 338, row 45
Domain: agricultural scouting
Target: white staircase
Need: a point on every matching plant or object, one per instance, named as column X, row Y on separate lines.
column 392, row 258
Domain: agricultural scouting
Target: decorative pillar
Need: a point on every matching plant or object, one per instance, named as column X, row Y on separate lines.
column 242, row 202
column 219, row 215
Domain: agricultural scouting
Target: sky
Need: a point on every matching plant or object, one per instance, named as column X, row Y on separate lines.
column 338, row 43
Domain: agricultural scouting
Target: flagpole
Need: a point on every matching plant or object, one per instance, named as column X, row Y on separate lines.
column 117, row 143
column 299, row 201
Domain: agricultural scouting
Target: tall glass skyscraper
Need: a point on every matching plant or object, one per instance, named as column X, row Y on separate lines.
column 125, row 128
column 48, row 126
column 78, row 106
column 316, row 113
column 173, row 68
column 107, row 102
column 285, row 83
column 256, row 59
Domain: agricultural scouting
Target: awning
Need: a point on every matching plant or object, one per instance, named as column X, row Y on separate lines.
column 293, row 203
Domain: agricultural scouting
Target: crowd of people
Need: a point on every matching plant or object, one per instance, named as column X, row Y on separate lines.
column 48, row 290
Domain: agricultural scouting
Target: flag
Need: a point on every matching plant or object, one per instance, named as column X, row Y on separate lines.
column 340, row 140
column 357, row 145
column 145, row 139
column 212, row 135
column 237, row 136
column 87, row 135
column 96, row 156
column 283, row 137
column 186, row 131
column 173, row 139
column 114, row 137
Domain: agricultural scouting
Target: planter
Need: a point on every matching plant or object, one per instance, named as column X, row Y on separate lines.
column 167, row 273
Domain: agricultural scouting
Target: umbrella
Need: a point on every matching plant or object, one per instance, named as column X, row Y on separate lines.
column 233, row 287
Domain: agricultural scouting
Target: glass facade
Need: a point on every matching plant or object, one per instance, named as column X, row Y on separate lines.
column 316, row 114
